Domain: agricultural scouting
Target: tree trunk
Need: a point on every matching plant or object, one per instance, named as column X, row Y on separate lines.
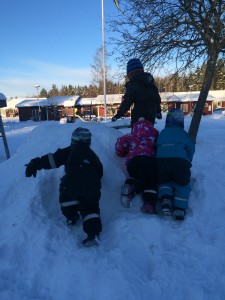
column 209, row 73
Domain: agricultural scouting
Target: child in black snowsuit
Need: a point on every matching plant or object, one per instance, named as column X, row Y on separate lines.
column 142, row 93
column 80, row 187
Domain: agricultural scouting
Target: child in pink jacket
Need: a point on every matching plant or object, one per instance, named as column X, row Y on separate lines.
column 139, row 149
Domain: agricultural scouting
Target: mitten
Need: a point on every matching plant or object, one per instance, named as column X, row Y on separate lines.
column 114, row 119
column 159, row 116
column 34, row 165
column 30, row 170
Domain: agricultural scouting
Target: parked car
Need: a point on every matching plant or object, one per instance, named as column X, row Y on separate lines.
column 220, row 110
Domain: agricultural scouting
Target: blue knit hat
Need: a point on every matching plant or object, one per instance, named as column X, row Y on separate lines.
column 81, row 136
column 134, row 64
column 175, row 117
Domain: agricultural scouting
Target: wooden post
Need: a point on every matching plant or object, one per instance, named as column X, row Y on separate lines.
column 2, row 134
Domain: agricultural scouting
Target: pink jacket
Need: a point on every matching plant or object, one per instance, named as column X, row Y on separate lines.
column 141, row 141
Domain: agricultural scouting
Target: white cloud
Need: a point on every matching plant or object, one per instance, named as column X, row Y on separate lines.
column 20, row 80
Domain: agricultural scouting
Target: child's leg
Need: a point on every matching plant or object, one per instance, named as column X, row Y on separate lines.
column 133, row 185
column 165, row 196
column 69, row 208
column 165, row 187
column 182, row 188
column 149, row 180
column 136, row 173
column 181, row 196
column 150, row 186
column 90, row 212
column 165, row 190
column 128, row 191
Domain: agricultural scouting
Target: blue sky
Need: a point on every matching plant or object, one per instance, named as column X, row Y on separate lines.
column 49, row 42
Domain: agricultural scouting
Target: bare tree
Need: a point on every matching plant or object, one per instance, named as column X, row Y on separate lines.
column 175, row 33
column 97, row 70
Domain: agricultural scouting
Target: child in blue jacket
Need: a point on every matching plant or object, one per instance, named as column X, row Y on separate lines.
column 175, row 150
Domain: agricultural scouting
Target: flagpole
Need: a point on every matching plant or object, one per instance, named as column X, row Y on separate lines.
column 103, row 59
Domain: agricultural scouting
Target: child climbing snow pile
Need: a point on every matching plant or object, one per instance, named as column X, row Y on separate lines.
column 175, row 150
column 139, row 149
column 80, row 187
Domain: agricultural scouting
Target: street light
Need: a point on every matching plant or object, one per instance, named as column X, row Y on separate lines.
column 103, row 60
column 190, row 87
column 39, row 109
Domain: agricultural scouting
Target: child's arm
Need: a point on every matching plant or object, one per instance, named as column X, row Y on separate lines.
column 47, row 161
column 33, row 166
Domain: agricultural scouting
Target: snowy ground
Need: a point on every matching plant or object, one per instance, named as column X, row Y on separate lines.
column 140, row 257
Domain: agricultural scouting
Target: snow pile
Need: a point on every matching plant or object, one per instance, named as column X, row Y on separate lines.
column 140, row 257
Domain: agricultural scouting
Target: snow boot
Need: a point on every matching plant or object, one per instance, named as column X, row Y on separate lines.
column 166, row 206
column 148, row 208
column 179, row 214
column 127, row 193
column 91, row 240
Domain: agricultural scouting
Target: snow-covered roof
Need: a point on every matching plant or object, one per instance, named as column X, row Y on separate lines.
column 219, row 95
column 62, row 100
column 70, row 101
column 12, row 103
column 184, row 96
column 110, row 99
column 53, row 101
column 86, row 101
column 28, row 102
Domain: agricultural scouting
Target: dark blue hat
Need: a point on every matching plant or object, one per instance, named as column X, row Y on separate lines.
column 175, row 117
column 134, row 64
column 81, row 135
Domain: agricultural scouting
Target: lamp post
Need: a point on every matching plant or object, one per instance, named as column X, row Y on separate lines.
column 39, row 109
column 190, row 87
column 103, row 61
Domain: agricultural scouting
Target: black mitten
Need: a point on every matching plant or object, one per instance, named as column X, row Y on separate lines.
column 30, row 170
column 32, row 167
column 114, row 119
column 159, row 116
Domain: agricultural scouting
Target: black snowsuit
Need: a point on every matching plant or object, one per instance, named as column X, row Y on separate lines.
column 143, row 93
column 80, row 187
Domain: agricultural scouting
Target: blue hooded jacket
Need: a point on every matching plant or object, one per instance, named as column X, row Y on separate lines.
column 174, row 142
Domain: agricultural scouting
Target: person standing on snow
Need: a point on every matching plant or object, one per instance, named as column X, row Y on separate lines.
column 139, row 149
column 142, row 93
column 175, row 150
column 80, row 187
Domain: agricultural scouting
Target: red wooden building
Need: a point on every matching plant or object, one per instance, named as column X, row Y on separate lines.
column 186, row 102
column 52, row 109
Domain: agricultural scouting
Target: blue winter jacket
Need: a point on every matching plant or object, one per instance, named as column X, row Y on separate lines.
column 174, row 141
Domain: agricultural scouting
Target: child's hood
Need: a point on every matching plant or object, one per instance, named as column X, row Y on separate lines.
column 145, row 78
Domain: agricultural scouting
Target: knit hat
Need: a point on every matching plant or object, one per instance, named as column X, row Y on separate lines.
column 81, row 135
column 175, row 116
column 134, row 64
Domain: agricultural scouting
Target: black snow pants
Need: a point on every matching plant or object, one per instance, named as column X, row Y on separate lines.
column 142, row 172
